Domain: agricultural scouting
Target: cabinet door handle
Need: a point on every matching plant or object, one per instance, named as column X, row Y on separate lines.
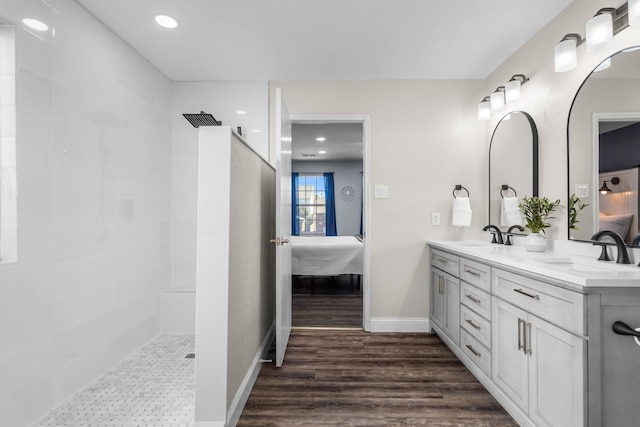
column 520, row 291
column 474, row 273
column 469, row 321
column 527, row 349
column 440, row 285
column 520, row 329
column 476, row 300
column 472, row 350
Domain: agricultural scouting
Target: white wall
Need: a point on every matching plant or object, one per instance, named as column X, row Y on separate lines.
column 345, row 173
column 222, row 100
column 421, row 149
column 548, row 95
column 94, row 190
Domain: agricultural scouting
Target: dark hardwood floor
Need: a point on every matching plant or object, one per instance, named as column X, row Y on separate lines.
column 355, row 378
column 327, row 302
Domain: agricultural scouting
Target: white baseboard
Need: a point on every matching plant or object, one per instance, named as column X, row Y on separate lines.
column 207, row 424
column 405, row 324
column 242, row 395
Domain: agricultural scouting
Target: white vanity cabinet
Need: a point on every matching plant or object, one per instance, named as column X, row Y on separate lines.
column 523, row 337
column 445, row 294
column 539, row 366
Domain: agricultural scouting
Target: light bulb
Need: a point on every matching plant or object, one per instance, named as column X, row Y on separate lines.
column 566, row 55
column 599, row 31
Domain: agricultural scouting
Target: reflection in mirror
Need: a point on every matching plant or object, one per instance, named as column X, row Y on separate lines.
column 513, row 162
column 604, row 150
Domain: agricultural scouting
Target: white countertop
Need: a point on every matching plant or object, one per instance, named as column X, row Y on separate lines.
column 585, row 272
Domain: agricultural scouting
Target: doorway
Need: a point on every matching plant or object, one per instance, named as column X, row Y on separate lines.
column 336, row 144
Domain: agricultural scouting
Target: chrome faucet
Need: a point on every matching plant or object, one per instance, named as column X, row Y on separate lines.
column 496, row 233
column 623, row 256
column 510, row 233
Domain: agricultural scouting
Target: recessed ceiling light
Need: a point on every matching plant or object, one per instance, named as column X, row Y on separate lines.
column 322, row 152
column 241, row 112
column 321, row 139
column 166, row 21
column 34, row 24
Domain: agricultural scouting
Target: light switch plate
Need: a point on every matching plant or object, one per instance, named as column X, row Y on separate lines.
column 582, row 190
column 381, row 192
column 435, row 218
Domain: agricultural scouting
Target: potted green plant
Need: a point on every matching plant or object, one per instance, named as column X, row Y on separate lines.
column 575, row 206
column 537, row 212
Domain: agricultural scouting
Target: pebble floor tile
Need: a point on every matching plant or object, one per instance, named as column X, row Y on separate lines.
column 154, row 387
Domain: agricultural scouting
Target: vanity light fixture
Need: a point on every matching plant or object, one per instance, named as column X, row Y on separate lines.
column 496, row 99
column 566, row 52
column 513, row 88
column 599, row 29
column 484, row 109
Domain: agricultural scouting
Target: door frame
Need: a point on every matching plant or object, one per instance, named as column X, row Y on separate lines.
column 365, row 119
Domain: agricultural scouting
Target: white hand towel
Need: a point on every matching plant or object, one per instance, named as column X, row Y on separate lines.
column 510, row 212
column 461, row 212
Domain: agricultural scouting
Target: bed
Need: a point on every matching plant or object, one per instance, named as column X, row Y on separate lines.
column 326, row 256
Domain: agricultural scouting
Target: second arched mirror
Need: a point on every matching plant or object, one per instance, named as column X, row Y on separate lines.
column 513, row 164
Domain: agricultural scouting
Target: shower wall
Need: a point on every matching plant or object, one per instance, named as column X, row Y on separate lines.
column 94, row 208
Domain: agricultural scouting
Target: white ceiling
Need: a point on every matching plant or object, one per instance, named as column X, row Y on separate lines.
column 343, row 141
column 235, row 40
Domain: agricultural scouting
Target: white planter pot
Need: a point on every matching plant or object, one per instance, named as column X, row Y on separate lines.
column 535, row 243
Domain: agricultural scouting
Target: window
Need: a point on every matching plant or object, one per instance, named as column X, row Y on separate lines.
column 311, row 211
column 8, row 183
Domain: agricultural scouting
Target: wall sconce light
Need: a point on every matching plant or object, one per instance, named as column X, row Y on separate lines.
column 566, row 52
column 484, row 109
column 600, row 30
column 513, row 88
column 496, row 99
column 606, row 190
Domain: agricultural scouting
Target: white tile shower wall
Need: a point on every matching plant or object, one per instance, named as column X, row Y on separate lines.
column 223, row 100
column 93, row 129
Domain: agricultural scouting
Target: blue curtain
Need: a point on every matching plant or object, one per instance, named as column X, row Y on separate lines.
column 330, row 205
column 295, row 224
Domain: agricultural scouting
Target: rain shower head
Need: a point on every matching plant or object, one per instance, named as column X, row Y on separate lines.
column 201, row 119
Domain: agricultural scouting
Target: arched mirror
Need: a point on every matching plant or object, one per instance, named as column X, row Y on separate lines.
column 603, row 134
column 513, row 164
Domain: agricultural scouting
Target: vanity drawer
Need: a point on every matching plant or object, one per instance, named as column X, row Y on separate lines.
column 552, row 303
column 476, row 325
column 476, row 273
column 445, row 261
column 475, row 351
column 476, row 299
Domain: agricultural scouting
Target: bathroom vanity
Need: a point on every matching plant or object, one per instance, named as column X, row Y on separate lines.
column 536, row 330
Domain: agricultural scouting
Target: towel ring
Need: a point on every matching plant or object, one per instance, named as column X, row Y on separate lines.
column 459, row 187
column 505, row 187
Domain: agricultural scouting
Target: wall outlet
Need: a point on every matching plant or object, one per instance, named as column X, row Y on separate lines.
column 582, row 190
column 435, row 218
column 381, row 192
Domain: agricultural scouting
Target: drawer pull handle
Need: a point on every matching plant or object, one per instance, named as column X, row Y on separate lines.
column 476, row 300
column 444, row 261
column 520, row 323
column 469, row 321
column 472, row 350
column 474, row 273
column 520, row 291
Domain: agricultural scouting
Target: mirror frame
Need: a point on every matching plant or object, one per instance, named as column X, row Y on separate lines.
column 575, row 97
column 534, row 158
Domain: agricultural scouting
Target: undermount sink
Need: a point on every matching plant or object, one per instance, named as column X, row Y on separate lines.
column 588, row 266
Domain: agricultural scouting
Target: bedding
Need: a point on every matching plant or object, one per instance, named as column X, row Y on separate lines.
column 326, row 256
column 619, row 224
